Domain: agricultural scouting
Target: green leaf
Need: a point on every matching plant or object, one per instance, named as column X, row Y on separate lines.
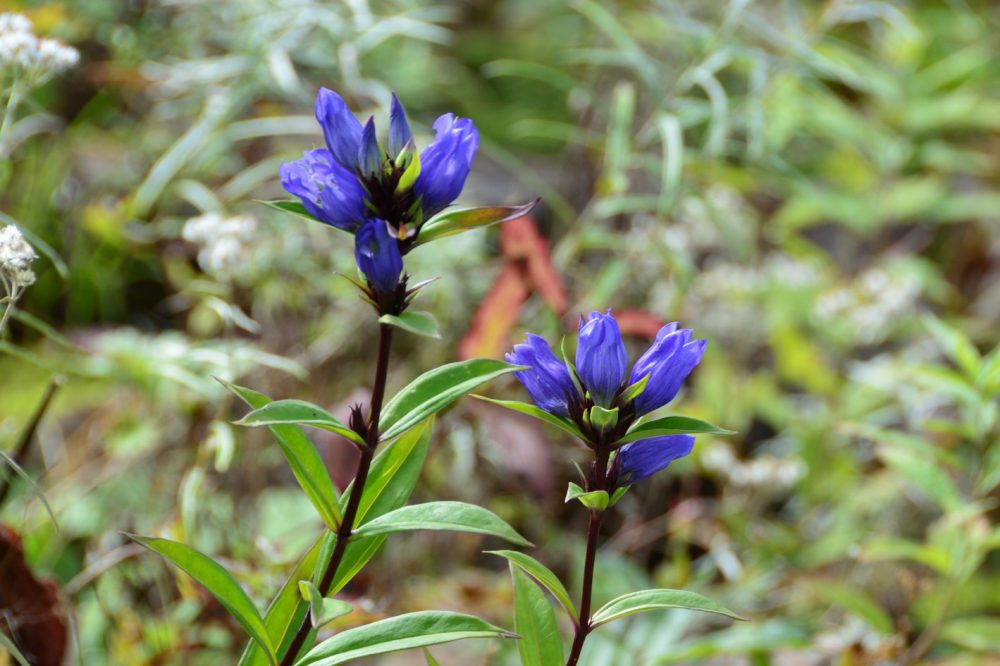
column 857, row 602
column 8, row 645
column 403, row 632
column 454, row 516
column 603, row 419
column 981, row 634
column 303, row 458
column 431, row 661
column 214, row 577
column 436, row 389
column 457, row 221
column 560, row 422
column 293, row 206
column 647, row 600
column 596, row 500
column 635, row 390
column 956, row 345
column 392, row 477
column 671, row 425
column 299, row 412
column 419, row 323
column 35, row 488
column 322, row 610
column 923, row 473
column 618, row 494
column 534, row 621
column 542, row 575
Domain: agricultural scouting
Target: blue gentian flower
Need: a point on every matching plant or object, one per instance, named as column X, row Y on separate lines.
column 548, row 379
column 641, row 460
column 602, row 368
column 328, row 191
column 385, row 182
column 668, row 362
column 378, row 256
column 600, row 357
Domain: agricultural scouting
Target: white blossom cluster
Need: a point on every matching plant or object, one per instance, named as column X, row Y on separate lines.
column 24, row 52
column 872, row 304
column 223, row 241
column 765, row 473
column 15, row 260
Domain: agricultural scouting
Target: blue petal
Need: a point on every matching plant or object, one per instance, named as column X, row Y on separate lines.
column 445, row 163
column 328, row 192
column 641, row 460
column 548, row 381
column 600, row 357
column 378, row 256
column 369, row 155
column 668, row 362
column 341, row 129
column 399, row 128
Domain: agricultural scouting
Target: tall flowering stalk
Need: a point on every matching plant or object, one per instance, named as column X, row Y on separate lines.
column 604, row 405
column 390, row 197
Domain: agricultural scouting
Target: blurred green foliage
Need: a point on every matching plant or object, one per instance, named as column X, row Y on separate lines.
column 813, row 186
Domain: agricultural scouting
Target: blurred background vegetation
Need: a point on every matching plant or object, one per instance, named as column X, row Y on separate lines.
column 814, row 187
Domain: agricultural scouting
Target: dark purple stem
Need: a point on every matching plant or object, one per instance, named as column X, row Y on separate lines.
column 346, row 527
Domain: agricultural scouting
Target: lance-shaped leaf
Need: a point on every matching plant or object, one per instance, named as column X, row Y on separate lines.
column 436, row 389
column 542, row 574
column 306, row 464
column 322, row 610
column 419, row 323
column 647, row 600
column 214, row 577
column 535, row 623
column 560, row 422
column 292, row 206
column 452, row 516
column 596, row 500
column 299, row 412
column 392, row 477
column 671, row 425
column 457, row 221
column 403, row 632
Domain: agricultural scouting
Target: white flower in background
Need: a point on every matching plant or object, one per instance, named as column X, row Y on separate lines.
column 222, row 240
column 765, row 473
column 15, row 269
column 25, row 54
column 15, row 260
column 872, row 305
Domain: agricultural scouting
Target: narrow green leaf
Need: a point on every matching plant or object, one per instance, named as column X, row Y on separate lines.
column 286, row 611
column 392, row 477
column 35, row 488
column 8, row 645
column 403, row 632
column 292, row 206
column 436, row 389
column 560, row 422
column 534, row 621
column 419, row 323
column 981, row 634
column 647, row 600
column 457, row 221
column 431, row 661
column 299, row 412
column 618, row 494
column 454, row 516
column 322, row 610
column 671, row 425
column 635, row 390
column 542, row 575
column 856, row 602
column 303, row 459
column 956, row 345
column 596, row 500
column 214, row 577
column 922, row 473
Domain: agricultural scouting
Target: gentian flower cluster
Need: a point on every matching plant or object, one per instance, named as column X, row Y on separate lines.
column 383, row 195
column 595, row 396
